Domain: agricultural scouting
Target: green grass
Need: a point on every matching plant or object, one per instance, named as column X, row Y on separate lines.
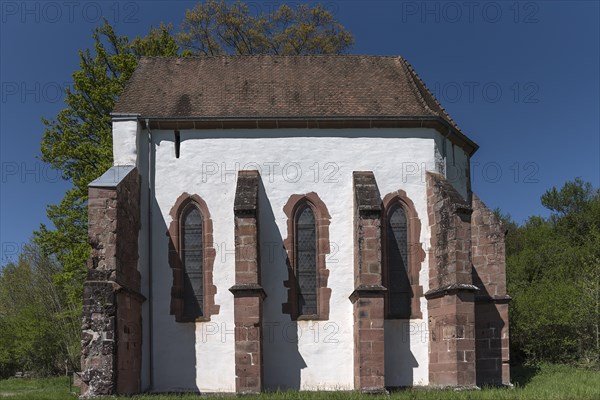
column 549, row 382
column 42, row 389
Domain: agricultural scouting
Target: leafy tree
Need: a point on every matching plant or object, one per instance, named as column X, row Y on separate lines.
column 215, row 27
column 554, row 279
column 158, row 43
column 39, row 330
column 572, row 198
column 79, row 141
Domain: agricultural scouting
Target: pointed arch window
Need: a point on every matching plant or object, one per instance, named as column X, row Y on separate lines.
column 191, row 258
column 306, row 259
column 307, row 246
column 397, row 263
column 192, row 245
column 402, row 257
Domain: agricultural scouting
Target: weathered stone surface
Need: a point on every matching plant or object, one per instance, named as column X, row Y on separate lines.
column 111, row 326
column 368, row 296
column 248, row 292
column 246, row 195
column 366, row 192
column 450, row 300
column 491, row 303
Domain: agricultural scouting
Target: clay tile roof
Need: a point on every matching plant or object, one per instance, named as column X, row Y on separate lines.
column 253, row 87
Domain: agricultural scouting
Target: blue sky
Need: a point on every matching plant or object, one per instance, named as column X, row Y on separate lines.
column 522, row 79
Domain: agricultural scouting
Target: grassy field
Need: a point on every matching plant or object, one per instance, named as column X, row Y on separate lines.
column 47, row 388
column 546, row 383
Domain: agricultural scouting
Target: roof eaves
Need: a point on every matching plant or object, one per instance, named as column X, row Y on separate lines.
column 290, row 118
column 120, row 116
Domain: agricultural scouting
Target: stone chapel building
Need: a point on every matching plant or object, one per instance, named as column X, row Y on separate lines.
column 275, row 222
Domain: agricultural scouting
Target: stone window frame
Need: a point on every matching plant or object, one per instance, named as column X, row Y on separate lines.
column 176, row 263
column 416, row 254
column 322, row 219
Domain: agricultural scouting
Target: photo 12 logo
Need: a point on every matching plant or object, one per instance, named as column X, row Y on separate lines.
column 271, row 252
column 291, row 172
column 34, row 92
column 11, row 250
column 494, row 172
column 23, row 172
column 275, row 332
column 486, row 92
column 471, row 12
column 57, row 12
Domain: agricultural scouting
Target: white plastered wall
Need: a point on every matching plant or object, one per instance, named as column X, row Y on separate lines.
column 125, row 136
column 322, row 356
column 200, row 356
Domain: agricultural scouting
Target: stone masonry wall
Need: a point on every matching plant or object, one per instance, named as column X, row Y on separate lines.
column 368, row 295
column 491, row 302
column 111, row 327
column 248, row 292
column 451, row 295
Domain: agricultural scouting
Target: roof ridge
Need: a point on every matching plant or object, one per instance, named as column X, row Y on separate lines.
column 414, row 75
column 195, row 57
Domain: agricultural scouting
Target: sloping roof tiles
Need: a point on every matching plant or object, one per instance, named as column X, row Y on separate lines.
column 255, row 87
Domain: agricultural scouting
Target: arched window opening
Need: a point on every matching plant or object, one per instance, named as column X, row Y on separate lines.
column 306, row 259
column 191, row 258
column 397, row 262
column 307, row 246
column 192, row 247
